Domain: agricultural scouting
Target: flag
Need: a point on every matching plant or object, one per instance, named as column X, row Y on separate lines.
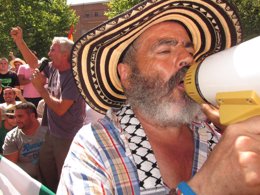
column 15, row 181
column 70, row 35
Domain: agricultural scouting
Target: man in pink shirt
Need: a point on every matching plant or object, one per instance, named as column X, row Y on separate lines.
column 29, row 91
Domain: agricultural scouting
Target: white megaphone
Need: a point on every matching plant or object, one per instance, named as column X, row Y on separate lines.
column 230, row 80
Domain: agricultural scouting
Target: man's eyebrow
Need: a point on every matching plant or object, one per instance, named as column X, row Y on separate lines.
column 171, row 42
column 161, row 42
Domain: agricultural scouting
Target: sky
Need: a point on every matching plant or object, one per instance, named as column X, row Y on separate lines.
column 71, row 2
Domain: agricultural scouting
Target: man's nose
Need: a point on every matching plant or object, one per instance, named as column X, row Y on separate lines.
column 185, row 58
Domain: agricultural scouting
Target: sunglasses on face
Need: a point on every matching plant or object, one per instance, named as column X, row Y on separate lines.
column 10, row 116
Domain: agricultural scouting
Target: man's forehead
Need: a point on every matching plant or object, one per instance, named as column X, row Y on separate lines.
column 174, row 29
column 3, row 61
column 8, row 91
column 20, row 112
column 55, row 45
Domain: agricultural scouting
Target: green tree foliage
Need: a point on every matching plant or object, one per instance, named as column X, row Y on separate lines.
column 250, row 15
column 249, row 11
column 118, row 6
column 40, row 20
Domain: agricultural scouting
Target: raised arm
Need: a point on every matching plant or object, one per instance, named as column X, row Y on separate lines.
column 28, row 55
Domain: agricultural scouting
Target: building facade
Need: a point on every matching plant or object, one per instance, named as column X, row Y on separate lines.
column 90, row 16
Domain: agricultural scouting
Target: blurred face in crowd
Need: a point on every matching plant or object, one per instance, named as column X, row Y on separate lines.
column 10, row 120
column 9, row 95
column 3, row 65
column 24, row 118
column 17, row 64
column 55, row 55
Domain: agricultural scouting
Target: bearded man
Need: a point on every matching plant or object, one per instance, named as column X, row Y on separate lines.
column 153, row 139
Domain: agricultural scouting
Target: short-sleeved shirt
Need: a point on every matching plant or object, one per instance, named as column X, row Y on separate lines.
column 9, row 79
column 29, row 90
column 27, row 146
column 114, row 156
column 62, row 85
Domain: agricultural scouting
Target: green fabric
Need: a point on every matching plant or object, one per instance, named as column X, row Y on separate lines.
column 20, row 180
column 45, row 191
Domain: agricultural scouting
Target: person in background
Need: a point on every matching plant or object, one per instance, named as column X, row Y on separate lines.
column 65, row 107
column 6, row 125
column 40, row 108
column 10, row 95
column 7, row 77
column 11, row 56
column 29, row 91
column 154, row 138
column 15, row 64
column 22, row 144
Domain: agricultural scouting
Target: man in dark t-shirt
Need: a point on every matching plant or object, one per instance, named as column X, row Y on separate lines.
column 7, row 77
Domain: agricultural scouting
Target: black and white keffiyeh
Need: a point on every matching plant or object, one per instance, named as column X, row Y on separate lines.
column 150, row 179
column 148, row 171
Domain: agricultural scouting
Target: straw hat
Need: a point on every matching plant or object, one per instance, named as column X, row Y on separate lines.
column 9, row 110
column 213, row 25
column 16, row 60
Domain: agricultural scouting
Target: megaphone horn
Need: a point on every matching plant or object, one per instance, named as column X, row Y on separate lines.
column 228, row 79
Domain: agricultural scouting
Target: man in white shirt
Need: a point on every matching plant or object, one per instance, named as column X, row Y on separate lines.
column 10, row 95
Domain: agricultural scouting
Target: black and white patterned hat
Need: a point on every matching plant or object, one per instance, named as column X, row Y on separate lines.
column 213, row 25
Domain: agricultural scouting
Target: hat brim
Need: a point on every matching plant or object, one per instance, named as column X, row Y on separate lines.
column 9, row 114
column 213, row 26
column 16, row 60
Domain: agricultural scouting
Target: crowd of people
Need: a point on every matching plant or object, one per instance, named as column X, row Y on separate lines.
column 39, row 145
column 154, row 139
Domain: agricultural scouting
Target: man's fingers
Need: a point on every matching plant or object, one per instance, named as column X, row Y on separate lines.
column 15, row 30
column 250, row 166
column 246, row 143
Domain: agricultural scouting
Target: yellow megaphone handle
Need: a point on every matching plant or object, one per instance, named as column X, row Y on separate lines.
column 237, row 106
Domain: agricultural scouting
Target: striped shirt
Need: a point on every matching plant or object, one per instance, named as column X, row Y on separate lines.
column 100, row 160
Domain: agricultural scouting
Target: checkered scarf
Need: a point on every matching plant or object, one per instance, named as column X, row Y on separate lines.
column 148, row 172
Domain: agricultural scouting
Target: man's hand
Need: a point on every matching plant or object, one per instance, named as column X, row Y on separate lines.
column 19, row 94
column 212, row 114
column 38, row 80
column 11, row 55
column 233, row 167
column 30, row 58
column 16, row 33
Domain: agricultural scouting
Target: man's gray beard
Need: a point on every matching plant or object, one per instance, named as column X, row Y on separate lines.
column 154, row 99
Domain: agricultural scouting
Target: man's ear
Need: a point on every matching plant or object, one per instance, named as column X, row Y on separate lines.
column 124, row 72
